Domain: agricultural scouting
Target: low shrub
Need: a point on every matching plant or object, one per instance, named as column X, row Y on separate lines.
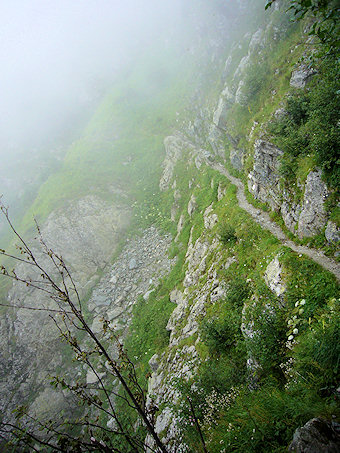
column 220, row 333
column 227, row 234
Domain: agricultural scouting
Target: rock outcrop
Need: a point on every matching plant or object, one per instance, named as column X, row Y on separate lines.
column 85, row 233
column 30, row 341
column 332, row 232
column 301, row 76
column 264, row 179
column 273, row 277
column 236, row 157
column 316, row 436
column 313, row 216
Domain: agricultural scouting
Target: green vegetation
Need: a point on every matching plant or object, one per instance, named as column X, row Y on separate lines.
column 310, row 125
column 327, row 15
column 227, row 233
column 122, row 138
column 257, row 407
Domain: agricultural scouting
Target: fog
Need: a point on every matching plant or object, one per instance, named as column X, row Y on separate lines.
column 56, row 56
column 59, row 57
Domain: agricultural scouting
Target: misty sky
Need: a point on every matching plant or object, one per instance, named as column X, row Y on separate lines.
column 53, row 53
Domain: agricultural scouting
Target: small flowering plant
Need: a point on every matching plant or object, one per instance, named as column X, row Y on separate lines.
column 295, row 319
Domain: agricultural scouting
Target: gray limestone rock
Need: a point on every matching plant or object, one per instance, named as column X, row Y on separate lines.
column 280, row 113
column 92, row 378
column 173, row 212
column 47, row 399
column 192, row 205
column 154, row 362
column 290, row 214
column 133, row 264
column 174, row 146
column 301, row 76
column 198, row 162
column 210, row 219
column 225, row 102
column 244, row 63
column 228, row 96
column 180, row 226
column 176, row 296
column 316, row 436
column 215, row 139
column 177, row 195
column 115, row 312
column 313, row 216
column 332, row 232
column 217, row 293
column 177, row 315
column 256, row 42
column 221, row 191
column 147, row 294
column 264, row 179
column 84, row 232
column 220, row 114
column 273, row 277
column 240, row 97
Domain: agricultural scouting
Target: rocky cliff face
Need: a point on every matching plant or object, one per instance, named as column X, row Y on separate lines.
column 85, row 233
column 302, row 207
column 303, row 211
column 306, row 218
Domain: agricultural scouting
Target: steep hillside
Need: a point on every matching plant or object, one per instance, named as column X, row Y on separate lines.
column 200, row 220
column 253, row 344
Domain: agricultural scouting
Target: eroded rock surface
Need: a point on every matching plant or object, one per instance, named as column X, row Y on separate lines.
column 273, row 277
column 85, row 233
column 313, row 215
column 264, row 179
column 332, row 232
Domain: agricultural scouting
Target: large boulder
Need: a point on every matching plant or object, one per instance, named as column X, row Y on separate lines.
column 316, row 436
column 273, row 277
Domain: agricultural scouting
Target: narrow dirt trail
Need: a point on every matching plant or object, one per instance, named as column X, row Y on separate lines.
column 263, row 219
